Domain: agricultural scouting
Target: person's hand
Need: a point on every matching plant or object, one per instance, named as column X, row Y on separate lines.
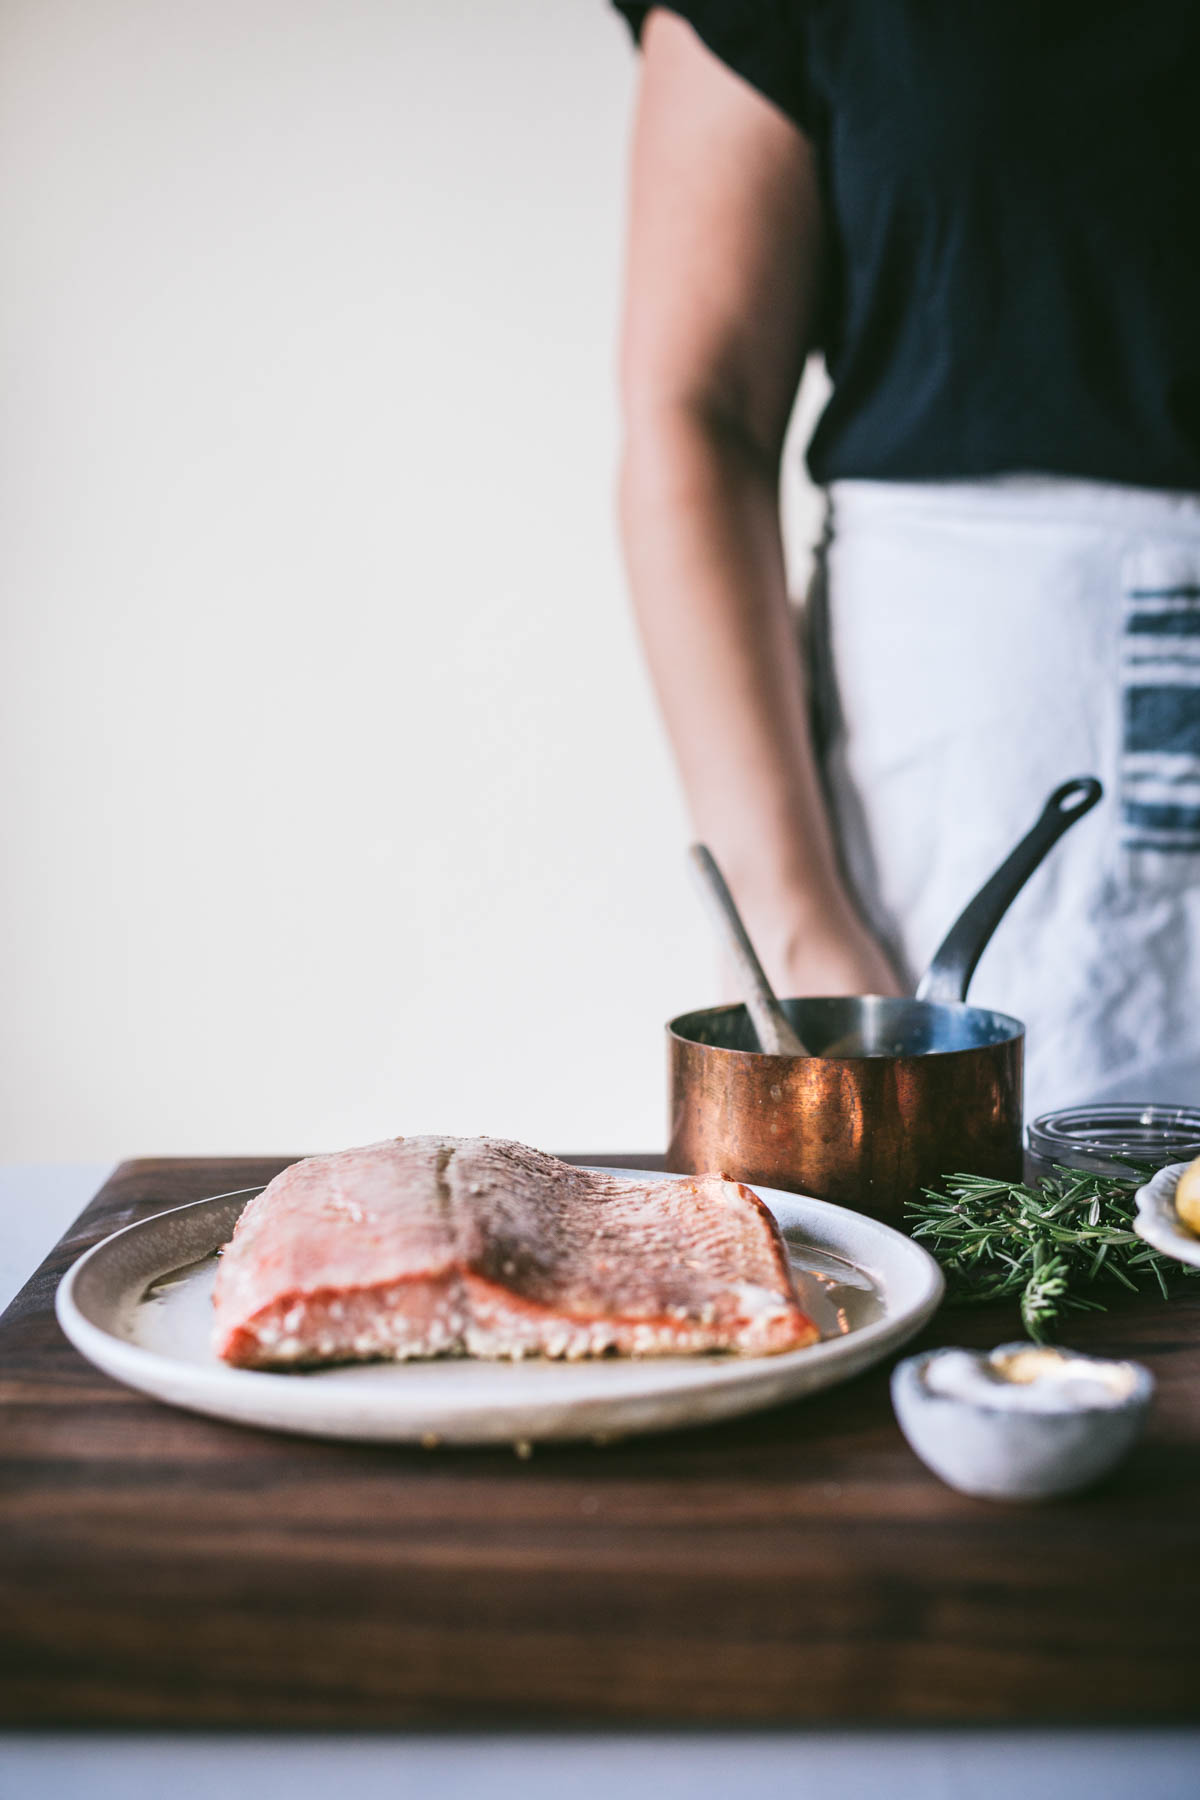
column 835, row 955
column 849, row 961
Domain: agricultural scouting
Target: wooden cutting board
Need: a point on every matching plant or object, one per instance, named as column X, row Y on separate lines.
column 801, row 1566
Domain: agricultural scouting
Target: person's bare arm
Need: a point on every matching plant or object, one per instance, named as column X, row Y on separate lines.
column 723, row 268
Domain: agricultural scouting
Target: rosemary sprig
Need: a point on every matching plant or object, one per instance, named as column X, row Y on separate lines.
column 1042, row 1243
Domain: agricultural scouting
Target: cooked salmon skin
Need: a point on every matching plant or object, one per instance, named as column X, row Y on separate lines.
column 437, row 1246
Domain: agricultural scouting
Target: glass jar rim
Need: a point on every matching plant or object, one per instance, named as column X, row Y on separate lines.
column 1130, row 1131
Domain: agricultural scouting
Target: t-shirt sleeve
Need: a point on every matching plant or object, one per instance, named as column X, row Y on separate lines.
column 760, row 40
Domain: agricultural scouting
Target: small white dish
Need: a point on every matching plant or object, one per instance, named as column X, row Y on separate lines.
column 1159, row 1223
column 995, row 1439
column 139, row 1307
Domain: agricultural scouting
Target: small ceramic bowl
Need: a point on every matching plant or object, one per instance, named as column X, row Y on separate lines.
column 1001, row 1446
column 1157, row 1220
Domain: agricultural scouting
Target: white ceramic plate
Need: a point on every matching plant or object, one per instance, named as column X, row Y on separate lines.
column 1157, row 1220
column 138, row 1306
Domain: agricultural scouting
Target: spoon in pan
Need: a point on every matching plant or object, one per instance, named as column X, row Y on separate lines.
column 775, row 1035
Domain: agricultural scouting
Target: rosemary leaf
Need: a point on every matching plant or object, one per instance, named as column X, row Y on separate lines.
column 1041, row 1244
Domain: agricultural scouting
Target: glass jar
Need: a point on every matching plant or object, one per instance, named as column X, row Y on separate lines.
column 1105, row 1140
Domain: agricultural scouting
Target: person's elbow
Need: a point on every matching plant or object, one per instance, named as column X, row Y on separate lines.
column 677, row 436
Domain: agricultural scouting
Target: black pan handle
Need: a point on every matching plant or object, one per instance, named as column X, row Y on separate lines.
column 949, row 974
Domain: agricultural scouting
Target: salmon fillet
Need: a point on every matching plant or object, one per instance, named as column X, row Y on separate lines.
column 435, row 1246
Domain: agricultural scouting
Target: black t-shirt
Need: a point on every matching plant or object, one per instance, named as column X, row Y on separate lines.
column 1013, row 196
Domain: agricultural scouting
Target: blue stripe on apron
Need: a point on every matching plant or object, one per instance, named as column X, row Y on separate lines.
column 1160, row 679
column 1173, row 623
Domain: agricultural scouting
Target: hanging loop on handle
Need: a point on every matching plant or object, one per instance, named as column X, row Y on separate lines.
column 949, row 974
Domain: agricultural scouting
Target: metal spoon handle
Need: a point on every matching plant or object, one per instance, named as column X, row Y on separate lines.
column 775, row 1035
column 953, row 965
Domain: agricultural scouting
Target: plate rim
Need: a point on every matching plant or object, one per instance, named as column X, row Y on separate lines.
column 1157, row 1221
column 150, row 1371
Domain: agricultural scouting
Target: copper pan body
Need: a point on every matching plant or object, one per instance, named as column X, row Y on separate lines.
column 930, row 1087
column 937, row 1089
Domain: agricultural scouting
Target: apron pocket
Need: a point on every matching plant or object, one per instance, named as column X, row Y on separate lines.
column 1160, row 706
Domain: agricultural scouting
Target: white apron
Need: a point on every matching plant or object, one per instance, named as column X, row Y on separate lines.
column 972, row 645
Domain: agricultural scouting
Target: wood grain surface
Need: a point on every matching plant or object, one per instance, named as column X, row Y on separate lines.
column 161, row 1569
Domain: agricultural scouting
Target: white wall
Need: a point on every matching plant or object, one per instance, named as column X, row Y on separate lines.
column 335, row 804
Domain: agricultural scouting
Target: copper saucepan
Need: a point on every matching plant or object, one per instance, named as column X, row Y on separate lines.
column 895, row 1092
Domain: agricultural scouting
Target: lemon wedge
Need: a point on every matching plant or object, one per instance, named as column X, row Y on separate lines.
column 1187, row 1197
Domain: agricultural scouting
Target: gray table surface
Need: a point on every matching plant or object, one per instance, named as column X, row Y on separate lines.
column 38, row 1201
